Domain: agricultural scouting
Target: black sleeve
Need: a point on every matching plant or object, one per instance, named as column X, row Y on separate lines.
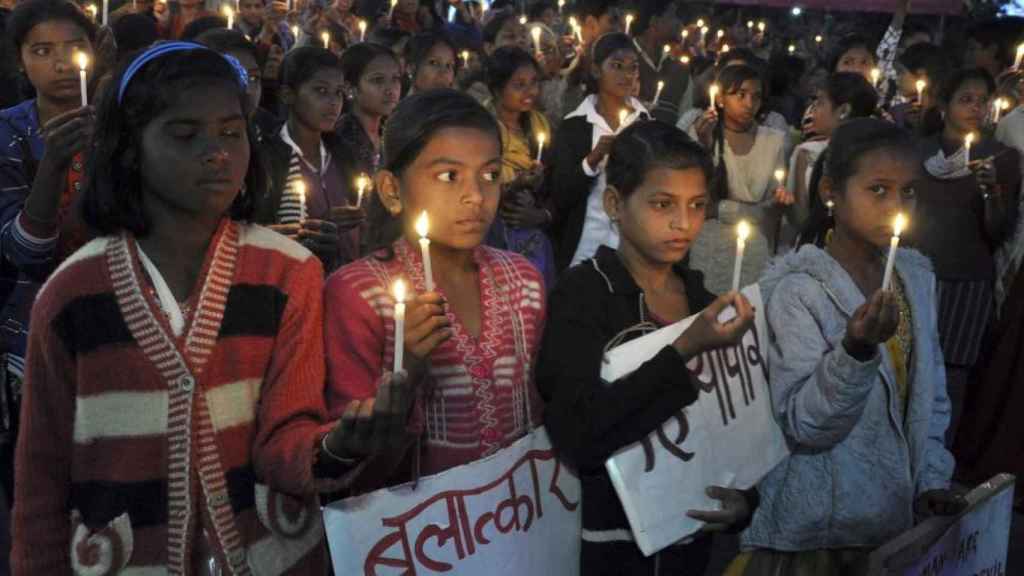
column 570, row 186
column 586, row 419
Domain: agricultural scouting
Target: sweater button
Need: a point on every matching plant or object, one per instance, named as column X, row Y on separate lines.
column 186, row 383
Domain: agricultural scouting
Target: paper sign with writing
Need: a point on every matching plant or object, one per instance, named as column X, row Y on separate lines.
column 728, row 437
column 515, row 512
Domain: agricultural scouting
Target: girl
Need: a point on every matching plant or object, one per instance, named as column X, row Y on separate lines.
column 470, row 344
column 513, row 78
column 305, row 153
column 503, row 29
column 174, row 405
column 844, row 97
column 657, row 193
column 236, row 45
column 430, row 62
column 373, row 79
column 43, row 141
column 967, row 210
column 578, row 217
column 553, row 83
column 746, row 157
column 857, row 384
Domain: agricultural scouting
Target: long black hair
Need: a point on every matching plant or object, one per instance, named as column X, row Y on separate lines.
column 603, row 49
column 112, row 200
column 933, row 121
column 646, row 145
column 730, row 79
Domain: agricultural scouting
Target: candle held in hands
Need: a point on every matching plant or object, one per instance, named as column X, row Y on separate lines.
column 898, row 225
column 523, row 20
column 83, row 63
column 536, row 32
column 1020, row 57
column 998, row 106
column 920, row 85
column 300, row 189
column 876, row 75
column 780, row 176
column 422, row 228
column 629, row 22
column 657, row 93
column 391, row 10
column 465, row 58
column 712, row 96
column 229, row 14
column 541, row 137
column 399, row 293
column 362, row 30
column 93, row 11
column 362, row 183
column 761, row 26
column 326, row 37
column 968, row 141
column 623, row 114
column 742, row 233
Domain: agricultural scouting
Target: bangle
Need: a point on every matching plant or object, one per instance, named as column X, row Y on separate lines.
column 346, row 461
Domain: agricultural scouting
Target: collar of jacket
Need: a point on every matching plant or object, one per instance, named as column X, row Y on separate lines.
column 619, row 281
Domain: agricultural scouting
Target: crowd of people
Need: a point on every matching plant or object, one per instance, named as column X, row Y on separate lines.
column 208, row 214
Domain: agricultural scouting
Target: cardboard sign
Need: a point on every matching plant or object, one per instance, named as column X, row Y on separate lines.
column 728, row 437
column 515, row 512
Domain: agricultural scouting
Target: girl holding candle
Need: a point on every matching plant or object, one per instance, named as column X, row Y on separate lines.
column 857, row 381
column 442, row 156
column 304, row 154
column 967, row 211
column 430, row 62
column 579, row 221
column 373, row 79
column 41, row 170
column 513, row 77
column 746, row 156
column 182, row 349
column 657, row 194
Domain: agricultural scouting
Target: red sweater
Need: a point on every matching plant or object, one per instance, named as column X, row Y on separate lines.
column 133, row 441
column 480, row 394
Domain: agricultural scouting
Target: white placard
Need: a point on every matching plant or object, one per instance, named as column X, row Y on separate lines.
column 728, row 437
column 515, row 512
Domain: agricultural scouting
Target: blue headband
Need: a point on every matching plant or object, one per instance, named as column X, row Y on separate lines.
column 166, row 48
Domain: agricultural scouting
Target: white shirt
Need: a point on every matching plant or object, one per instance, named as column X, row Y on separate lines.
column 597, row 226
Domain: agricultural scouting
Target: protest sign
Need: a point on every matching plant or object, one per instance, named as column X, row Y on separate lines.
column 728, row 437
column 515, row 512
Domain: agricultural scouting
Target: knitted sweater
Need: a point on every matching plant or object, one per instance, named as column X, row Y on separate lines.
column 480, row 395
column 134, row 442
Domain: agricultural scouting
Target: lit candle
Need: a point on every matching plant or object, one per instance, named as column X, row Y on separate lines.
column 700, row 23
column 761, row 26
column 391, row 10
column 83, row 63
column 712, row 95
column 720, row 33
column 685, row 60
column 300, row 188
column 1020, row 57
column 536, row 32
column 792, row 48
column 703, row 35
column 541, row 137
column 686, row 34
column 818, row 39
column 362, row 30
column 998, row 106
column 657, row 93
column 968, row 140
column 623, row 114
column 780, row 177
column 106, row 11
column 361, row 184
column 665, row 51
column 579, row 32
column 465, row 58
column 750, row 24
column 523, row 20
column 629, row 22
column 230, row 15
column 897, row 228
column 920, row 85
column 295, row 33
column 93, row 11
column 742, row 233
column 399, row 293
column 422, row 227
column 561, row 5
column 876, row 75
column 326, row 37
column 725, row 48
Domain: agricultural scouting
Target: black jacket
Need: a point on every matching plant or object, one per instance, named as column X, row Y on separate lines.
column 588, row 420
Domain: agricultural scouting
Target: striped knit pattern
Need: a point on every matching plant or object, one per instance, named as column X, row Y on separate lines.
column 149, row 439
column 480, row 395
column 965, row 308
column 293, row 206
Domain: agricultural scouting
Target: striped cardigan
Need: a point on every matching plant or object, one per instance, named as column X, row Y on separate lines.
column 134, row 442
column 480, row 394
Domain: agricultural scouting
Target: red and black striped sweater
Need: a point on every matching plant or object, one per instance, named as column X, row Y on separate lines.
column 134, row 442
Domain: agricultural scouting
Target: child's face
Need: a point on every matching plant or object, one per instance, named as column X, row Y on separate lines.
column 968, row 107
column 255, row 89
column 48, row 58
column 513, row 34
column 881, row 187
column 742, row 104
column 195, row 154
column 380, row 87
column 522, row 90
column 318, row 102
column 594, row 28
column 824, row 114
column 857, row 60
column 251, row 11
column 455, row 179
column 663, row 216
column 618, row 73
column 437, row 69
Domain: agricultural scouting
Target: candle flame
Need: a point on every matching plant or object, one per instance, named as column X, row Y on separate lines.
column 92, row 9
column 704, row 31
column 743, row 230
column 523, row 20
column 666, row 49
column 899, row 225
column 686, row 33
column 399, row 291
column 792, row 48
column 362, row 25
column 465, row 57
column 969, row 139
column 541, row 137
column 780, row 175
column 761, row 26
column 295, row 32
column 700, row 23
column 83, row 60
column 326, row 37
column 685, row 60
column 721, row 33
column 713, row 93
column 875, row 75
column 572, row 21
column 362, row 182
column 536, row 32
column 818, row 38
column 300, row 187
column 750, row 24
column 661, row 85
column 725, row 48
column 920, row 84
column 423, row 225
column 622, row 116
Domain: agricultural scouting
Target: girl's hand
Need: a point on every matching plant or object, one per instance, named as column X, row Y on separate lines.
column 939, row 503
column 320, row 236
column 604, row 145
column 426, row 328
column 872, row 324
column 347, row 217
column 985, row 173
column 66, row 135
column 704, row 126
column 782, row 197
column 521, row 212
column 375, row 426
column 735, row 510
column 707, row 333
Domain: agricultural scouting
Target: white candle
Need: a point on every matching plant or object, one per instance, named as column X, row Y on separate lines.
column 83, row 63
column 362, row 30
column 541, row 137
column 897, row 228
column 326, row 37
column 876, row 75
column 399, row 293
column 968, row 140
column 792, row 48
column 92, row 10
column 703, row 35
column 750, row 24
column 818, row 39
column 629, row 23
column 422, row 227
column 742, row 233
column 361, row 184
column 780, row 177
column 579, row 32
column 300, row 187
column 720, row 33
column 664, row 54
column 725, row 48
column 712, row 96
column 999, row 105
column 465, row 58
column 106, row 11
column 230, row 15
column 920, row 85
column 536, row 32
column 561, row 5
column 523, row 20
column 657, row 93
column 686, row 34
column 391, row 10
column 1020, row 57
column 700, row 23
column 761, row 26
column 295, row 33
